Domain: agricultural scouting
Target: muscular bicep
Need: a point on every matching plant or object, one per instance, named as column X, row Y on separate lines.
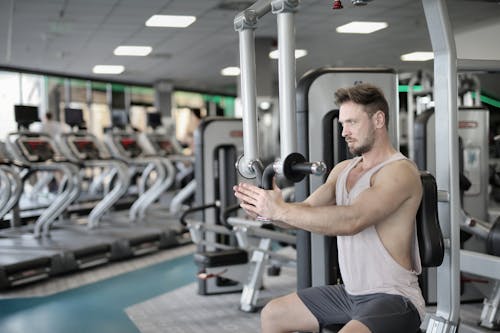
column 392, row 187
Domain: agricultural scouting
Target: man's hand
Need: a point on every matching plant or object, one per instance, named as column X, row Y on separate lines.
column 258, row 202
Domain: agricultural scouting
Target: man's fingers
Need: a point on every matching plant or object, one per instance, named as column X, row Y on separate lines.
column 249, row 208
column 244, row 198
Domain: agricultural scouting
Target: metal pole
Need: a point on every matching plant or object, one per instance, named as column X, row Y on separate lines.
column 410, row 118
column 245, row 23
column 248, row 100
column 445, row 92
column 20, row 75
column 10, row 28
column 286, row 68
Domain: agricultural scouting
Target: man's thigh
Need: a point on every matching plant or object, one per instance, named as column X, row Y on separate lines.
column 385, row 313
column 288, row 313
column 329, row 304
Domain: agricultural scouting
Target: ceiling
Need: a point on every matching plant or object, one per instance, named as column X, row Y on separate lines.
column 71, row 36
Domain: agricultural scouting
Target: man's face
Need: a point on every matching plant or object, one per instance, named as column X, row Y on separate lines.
column 357, row 128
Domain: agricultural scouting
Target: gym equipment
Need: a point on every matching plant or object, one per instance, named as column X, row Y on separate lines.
column 124, row 146
column 245, row 23
column 18, row 266
column 65, row 249
column 472, row 129
column 446, row 65
column 164, row 144
column 295, row 168
column 126, row 240
column 223, row 266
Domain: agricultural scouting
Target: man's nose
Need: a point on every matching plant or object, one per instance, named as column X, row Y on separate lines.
column 345, row 131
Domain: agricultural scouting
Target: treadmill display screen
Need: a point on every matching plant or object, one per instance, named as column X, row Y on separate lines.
column 39, row 148
column 130, row 145
column 84, row 146
column 165, row 145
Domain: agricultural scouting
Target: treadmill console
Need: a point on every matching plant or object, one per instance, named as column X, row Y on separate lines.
column 130, row 146
column 164, row 145
column 37, row 149
column 84, row 148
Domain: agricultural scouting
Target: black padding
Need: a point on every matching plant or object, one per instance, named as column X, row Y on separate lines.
column 493, row 242
column 430, row 238
column 221, row 258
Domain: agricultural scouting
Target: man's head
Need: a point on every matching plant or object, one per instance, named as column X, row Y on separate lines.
column 48, row 116
column 369, row 96
column 364, row 112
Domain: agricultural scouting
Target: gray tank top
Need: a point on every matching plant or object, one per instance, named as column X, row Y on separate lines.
column 365, row 264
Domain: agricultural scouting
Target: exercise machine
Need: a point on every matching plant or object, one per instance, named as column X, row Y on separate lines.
column 222, row 265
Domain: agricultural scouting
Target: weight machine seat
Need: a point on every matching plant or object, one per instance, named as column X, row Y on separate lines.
column 430, row 238
column 493, row 241
column 221, row 258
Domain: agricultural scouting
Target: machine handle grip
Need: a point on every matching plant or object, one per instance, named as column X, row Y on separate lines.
column 191, row 210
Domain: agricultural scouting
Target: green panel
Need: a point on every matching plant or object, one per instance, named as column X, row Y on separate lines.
column 141, row 90
column 229, row 103
column 98, row 86
column 488, row 100
column 404, row 88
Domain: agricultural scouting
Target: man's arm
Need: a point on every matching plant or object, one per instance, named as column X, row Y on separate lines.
column 391, row 187
column 322, row 196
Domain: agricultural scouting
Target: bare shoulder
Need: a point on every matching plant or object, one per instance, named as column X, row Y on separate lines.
column 400, row 174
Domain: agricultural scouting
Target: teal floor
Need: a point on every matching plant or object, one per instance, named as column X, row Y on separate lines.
column 98, row 307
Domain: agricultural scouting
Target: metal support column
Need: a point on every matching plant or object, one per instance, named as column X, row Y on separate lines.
column 445, row 91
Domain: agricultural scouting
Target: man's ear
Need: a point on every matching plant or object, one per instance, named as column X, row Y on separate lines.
column 379, row 118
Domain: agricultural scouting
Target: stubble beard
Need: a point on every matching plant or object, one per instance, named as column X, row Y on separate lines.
column 366, row 146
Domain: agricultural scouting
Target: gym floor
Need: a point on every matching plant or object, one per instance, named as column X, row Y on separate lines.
column 98, row 306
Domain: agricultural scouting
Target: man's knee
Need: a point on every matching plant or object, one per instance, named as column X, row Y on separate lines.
column 271, row 311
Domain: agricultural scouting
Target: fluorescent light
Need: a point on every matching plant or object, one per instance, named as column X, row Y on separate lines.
column 299, row 53
column 108, row 69
column 170, row 21
column 360, row 27
column 417, row 56
column 230, row 71
column 265, row 105
column 129, row 50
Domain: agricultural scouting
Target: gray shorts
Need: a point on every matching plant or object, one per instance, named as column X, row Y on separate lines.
column 381, row 313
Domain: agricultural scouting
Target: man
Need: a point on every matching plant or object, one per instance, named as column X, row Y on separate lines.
column 370, row 203
column 50, row 126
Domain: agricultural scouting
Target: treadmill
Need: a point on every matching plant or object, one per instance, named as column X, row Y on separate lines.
column 69, row 250
column 164, row 145
column 18, row 266
column 83, row 148
column 124, row 146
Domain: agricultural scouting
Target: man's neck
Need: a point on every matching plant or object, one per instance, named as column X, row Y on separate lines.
column 377, row 155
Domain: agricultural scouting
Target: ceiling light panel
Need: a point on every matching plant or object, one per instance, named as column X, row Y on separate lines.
column 417, row 56
column 230, row 71
column 132, row 50
column 361, row 27
column 108, row 69
column 170, row 21
column 299, row 53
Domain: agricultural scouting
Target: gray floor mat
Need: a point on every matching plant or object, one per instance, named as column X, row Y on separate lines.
column 184, row 311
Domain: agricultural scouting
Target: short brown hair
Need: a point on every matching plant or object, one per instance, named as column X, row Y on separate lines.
column 368, row 95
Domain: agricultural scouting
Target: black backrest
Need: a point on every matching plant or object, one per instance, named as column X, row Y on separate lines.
column 430, row 238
